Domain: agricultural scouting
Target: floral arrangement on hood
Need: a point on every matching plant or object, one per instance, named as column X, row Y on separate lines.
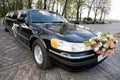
column 103, row 44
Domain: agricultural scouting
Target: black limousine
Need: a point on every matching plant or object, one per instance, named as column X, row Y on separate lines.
column 52, row 39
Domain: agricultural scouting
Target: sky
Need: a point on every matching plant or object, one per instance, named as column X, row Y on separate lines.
column 115, row 10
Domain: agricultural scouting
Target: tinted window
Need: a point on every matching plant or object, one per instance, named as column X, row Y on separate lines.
column 9, row 15
column 15, row 15
column 45, row 16
column 23, row 14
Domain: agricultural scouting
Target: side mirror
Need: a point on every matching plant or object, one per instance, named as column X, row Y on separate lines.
column 21, row 19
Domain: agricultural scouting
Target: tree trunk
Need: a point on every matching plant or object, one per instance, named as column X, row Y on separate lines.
column 95, row 15
column 104, row 18
column 64, row 9
column 49, row 4
column 45, row 4
column 95, row 18
column 78, row 8
column 77, row 16
column 90, row 8
column 29, row 4
column 57, row 7
column 21, row 4
column 53, row 5
column 89, row 11
column 80, row 15
column 101, row 15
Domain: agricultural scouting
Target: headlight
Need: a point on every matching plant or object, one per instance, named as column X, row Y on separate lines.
column 69, row 46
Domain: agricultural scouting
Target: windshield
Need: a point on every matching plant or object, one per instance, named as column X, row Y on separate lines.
column 46, row 17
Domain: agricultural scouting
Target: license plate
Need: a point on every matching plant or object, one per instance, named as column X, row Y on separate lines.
column 101, row 57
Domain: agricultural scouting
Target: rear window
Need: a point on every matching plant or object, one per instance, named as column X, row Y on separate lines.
column 9, row 15
column 12, row 15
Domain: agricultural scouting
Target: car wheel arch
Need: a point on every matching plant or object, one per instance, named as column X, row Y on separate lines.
column 32, row 39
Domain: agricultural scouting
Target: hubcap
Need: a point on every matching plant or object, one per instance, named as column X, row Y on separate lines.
column 38, row 54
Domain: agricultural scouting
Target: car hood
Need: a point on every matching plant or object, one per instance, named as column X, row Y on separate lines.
column 67, row 31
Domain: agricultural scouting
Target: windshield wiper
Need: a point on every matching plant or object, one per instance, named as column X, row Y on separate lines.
column 38, row 22
column 49, row 22
column 58, row 22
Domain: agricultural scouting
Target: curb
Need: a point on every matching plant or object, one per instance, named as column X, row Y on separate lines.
column 116, row 35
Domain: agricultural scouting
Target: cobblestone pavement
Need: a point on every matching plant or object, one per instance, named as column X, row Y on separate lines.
column 16, row 63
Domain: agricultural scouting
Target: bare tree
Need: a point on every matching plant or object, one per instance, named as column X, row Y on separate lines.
column 104, row 8
column 45, row 4
column 80, row 6
column 29, row 4
column 89, row 4
column 53, row 5
column 96, row 7
column 64, row 9
column 106, row 12
column 49, row 2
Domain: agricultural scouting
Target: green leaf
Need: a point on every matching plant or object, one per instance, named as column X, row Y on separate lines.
column 87, row 43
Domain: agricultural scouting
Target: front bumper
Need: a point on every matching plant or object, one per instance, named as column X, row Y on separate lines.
column 76, row 61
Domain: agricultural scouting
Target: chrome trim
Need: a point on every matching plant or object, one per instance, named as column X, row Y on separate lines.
column 80, row 57
column 43, row 43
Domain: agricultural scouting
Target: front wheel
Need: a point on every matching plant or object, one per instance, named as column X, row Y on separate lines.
column 40, row 55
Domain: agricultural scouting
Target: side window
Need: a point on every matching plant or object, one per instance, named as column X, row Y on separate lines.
column 15, row 14
column 22, row 14
column 7, row 15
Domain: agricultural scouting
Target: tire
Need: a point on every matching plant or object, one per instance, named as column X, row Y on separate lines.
column 38, row 49
column 6, row 30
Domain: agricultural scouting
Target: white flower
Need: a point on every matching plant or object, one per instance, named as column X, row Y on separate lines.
column 105, row 39
column 100, row 44
column 96, row 49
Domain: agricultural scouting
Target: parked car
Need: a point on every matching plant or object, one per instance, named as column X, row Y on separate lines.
column 52, row 39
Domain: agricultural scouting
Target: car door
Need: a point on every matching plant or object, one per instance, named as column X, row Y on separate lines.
column 6, row 21
column 9, row 20
column 24, row 31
